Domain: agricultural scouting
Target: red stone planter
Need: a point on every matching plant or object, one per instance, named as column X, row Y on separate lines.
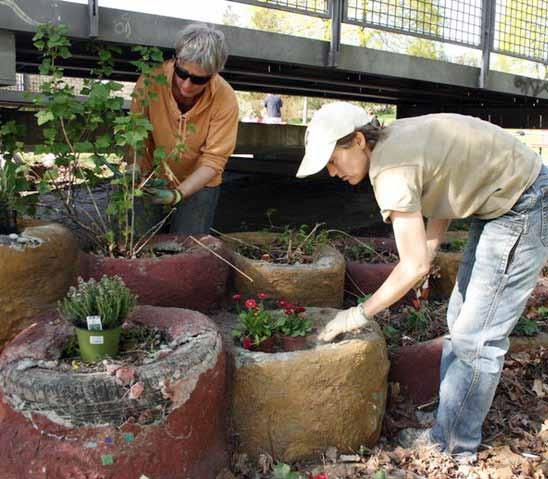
column 195, row 279
column 63, row 424
column 293, row 343
column 368, row 277
column 417, row 368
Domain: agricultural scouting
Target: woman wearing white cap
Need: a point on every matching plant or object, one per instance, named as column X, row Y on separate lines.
column 443, row 167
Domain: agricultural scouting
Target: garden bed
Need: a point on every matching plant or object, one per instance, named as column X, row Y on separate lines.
column 291, row 405
column 37, row 268
column 178, row 273
column 161, row 418
column 317, row 282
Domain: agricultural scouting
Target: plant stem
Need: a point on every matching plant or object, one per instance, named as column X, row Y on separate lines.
column 221, row 258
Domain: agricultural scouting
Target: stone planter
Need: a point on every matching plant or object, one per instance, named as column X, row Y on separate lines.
column 294, row 405
column 417, row 367
column 194, row 279
column 448, row 264
column 317, row 284
column 65, row 424
column 34, row 275
column 366, row 278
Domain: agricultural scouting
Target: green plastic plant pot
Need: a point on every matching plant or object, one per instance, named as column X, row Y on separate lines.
column 96, row 345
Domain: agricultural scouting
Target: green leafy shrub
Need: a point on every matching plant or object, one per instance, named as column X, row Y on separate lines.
column 95, row 141
column 14, row 185
column 108, row 298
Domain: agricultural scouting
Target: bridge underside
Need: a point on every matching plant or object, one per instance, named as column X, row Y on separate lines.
column 262, row 61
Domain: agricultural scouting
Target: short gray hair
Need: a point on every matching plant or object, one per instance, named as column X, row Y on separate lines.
column 202, row 44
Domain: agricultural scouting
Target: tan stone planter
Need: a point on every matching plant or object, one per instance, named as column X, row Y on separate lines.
column 320, row 283
column 34, row 277
column 448, row 264
column 294, row 405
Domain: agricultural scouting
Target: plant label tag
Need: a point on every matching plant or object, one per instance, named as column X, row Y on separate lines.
column 94, row 323
column 96, row 340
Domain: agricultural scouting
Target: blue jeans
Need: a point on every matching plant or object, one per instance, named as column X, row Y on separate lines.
column 499, row 270
column 193, row 216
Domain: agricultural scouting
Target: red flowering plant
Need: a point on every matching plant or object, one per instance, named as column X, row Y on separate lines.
column 255, row 322
column 293, row 321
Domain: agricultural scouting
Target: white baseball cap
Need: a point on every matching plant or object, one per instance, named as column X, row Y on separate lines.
column 328, row 125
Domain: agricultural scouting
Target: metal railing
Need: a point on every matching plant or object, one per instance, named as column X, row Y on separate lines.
column 517, row 28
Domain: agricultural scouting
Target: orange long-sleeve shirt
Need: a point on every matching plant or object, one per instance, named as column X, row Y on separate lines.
column 208, row 130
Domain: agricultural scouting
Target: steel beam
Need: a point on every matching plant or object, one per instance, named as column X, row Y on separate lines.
column 7, row 58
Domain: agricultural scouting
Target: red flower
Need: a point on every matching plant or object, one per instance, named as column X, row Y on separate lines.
column 282, row 303
column 262, row 295
column 251, row 304
column 246, row 342
column 289, row 311
column 321, row 475
column 300, row 309
column 237, row 297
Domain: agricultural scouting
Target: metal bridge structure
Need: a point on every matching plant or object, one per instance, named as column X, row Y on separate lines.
column 286, row 64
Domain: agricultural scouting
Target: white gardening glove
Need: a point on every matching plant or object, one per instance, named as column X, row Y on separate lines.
column 344, row 321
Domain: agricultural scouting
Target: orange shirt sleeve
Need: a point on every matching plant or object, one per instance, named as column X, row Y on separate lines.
column 221, row 138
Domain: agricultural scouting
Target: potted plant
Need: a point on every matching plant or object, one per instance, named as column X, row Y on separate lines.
column 256, row 324
column 98, row 309
column 96, row 182
column 293, row 326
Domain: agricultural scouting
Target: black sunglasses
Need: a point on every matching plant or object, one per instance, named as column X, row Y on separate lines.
column 184, row 74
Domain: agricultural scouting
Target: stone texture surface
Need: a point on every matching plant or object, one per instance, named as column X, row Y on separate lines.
column 417, row 368
column 320, row 283
column 297, row 404
column 33, row 279
column 195, row 279
column 448, row 264
column 57, row 424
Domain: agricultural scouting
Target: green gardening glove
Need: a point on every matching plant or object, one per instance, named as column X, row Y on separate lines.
column 164, row 196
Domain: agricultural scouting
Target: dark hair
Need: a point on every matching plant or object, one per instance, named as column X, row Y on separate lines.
column 373, row 134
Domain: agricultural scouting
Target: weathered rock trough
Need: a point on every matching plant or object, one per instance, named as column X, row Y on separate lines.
column 320, row 283
column 36, row 271
column 59, row 424
column 294, row 405
column 417, row 367
column 194, row 279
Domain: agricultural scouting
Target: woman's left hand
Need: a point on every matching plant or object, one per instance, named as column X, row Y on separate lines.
column 164, row 196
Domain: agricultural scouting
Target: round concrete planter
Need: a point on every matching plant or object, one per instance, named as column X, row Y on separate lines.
column 294, row 405
column 65, row 424
column 417, row 367
column 317, row 284
column 194, row 279
column 366, row 278
column 35, row 275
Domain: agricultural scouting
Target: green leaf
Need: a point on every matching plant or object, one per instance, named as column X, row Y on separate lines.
column 103, row 141
column 44, row 116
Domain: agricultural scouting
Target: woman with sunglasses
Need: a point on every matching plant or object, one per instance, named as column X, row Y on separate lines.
column 195, row 120
column 443, row 167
